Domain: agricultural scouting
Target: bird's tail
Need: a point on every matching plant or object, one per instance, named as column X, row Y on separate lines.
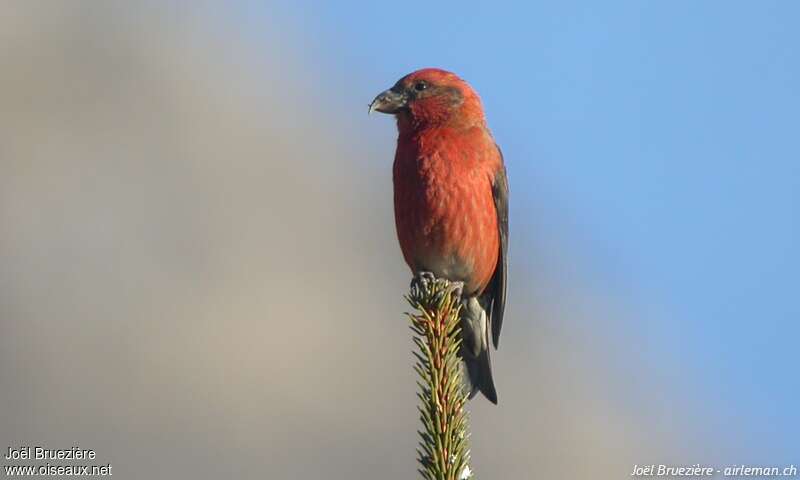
column 475, row 350
column 479, row 376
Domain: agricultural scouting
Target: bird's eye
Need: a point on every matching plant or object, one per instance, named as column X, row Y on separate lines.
column 420, row 86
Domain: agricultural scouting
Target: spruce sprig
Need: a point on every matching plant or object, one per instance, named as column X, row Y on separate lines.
column 443, row 451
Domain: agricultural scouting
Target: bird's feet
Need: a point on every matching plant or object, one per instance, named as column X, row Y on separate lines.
column 427, row 281
column 424, row 281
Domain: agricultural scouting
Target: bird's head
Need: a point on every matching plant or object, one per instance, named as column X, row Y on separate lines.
column 430, row 97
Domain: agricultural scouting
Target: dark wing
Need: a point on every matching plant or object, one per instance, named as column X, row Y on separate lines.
column 499, row 282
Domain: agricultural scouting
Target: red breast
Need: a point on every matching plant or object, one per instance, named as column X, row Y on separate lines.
column 444, row 209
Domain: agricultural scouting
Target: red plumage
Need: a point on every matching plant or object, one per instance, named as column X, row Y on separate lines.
column 444, row 209
column 450, row 197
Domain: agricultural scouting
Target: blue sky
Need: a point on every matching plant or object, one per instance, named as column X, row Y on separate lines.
column 656, row 141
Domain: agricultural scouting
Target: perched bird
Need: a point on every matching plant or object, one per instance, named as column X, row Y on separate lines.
column 451, row 204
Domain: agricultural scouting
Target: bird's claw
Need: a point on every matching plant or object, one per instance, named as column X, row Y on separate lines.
column 424, row 281
column 427, row 281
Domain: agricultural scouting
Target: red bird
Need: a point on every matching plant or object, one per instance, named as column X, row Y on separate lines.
column 451, row 204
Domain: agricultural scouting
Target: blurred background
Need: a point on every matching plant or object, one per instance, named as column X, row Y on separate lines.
column 199, row 276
